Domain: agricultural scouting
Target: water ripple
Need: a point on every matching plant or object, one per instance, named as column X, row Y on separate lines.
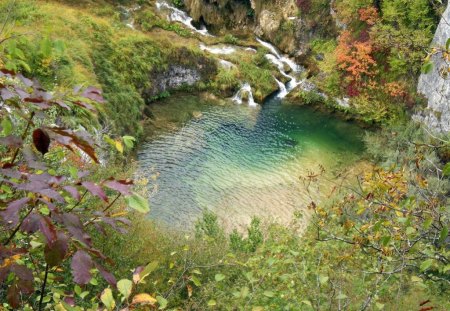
column 241, row 162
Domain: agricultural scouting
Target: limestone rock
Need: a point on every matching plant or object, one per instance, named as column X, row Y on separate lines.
column 436, row 87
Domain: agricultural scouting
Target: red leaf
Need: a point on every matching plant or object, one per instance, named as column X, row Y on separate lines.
column 61, row 104
column 67, row 137
column 31, row 159
column 109, row 277
column 48, row 230
column 6, row 94
column 13, row 296
column 22, row 272
column 56, row 252
column 81, row 266
column 11, row 141
column 93, row 94
column 75, row 228
column 85, row 105
column 27, row 82
column 31, row 223
column 41, row 140
column 11, row 215
column 95, row 190
column 73, row 192
column 123, row 187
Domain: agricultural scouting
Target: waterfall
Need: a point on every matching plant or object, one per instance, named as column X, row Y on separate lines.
column 270, row 47
column 177, row 15
column 281, row 61
column 283, row 90
column 246, row 89
column 224, row 50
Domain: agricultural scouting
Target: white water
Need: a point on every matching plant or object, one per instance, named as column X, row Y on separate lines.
column 223, row 50
column 280, row 61
column 283, row 90
column 270, row 47
column 245, row 89
column 177, row 15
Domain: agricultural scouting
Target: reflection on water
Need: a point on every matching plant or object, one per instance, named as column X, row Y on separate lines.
column 239, row 162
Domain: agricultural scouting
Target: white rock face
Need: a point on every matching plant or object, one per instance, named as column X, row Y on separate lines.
column 435, row 87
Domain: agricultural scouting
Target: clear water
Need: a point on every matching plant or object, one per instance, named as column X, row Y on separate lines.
column 241, row 161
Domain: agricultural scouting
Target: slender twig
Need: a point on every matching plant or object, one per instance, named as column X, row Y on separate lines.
column 43, row 287
column 104, row 210
column 24, row 135
column 79, row 201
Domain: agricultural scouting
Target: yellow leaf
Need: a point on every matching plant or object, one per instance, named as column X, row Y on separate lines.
column 119, row 146
column 143, row 299
column 9, row 261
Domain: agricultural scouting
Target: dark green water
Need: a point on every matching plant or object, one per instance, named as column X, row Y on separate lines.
column 240, row 161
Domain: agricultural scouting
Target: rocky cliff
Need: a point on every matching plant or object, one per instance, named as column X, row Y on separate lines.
column 435, row 86
column 276, row 21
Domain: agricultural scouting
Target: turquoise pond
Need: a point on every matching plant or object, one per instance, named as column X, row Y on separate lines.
column 241, row 161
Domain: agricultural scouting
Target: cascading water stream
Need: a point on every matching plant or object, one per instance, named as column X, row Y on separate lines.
column 177, row 15
column 281, row 61
column 283, row 90
column 246, row 90
column 224, row 50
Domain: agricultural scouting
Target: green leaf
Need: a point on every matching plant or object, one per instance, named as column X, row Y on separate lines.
column 446, row 169
column 108, row 299
column 138, row 203
column 84, row 294
column 410, row 230
column 385, row 240
column 426, row 264
column 323, row 279
column 212, row 303
column 147, row 270
column 269, row 294
column 129, row 141
column 46, row 47
column 77, row 290
column 447, row 44
column 196, row 281
column 7, row 126
column 162, row 302
column 125, row 287
column 73, row 172
column 196, row 271
column 427, row 223
column 219, row 277
column 427, row 67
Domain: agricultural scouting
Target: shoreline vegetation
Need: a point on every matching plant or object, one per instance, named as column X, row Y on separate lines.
column 80, row 90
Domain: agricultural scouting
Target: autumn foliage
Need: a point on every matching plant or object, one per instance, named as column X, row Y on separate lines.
column 355, row 60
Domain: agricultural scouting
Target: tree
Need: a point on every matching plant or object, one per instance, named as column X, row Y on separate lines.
column 47, row 206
